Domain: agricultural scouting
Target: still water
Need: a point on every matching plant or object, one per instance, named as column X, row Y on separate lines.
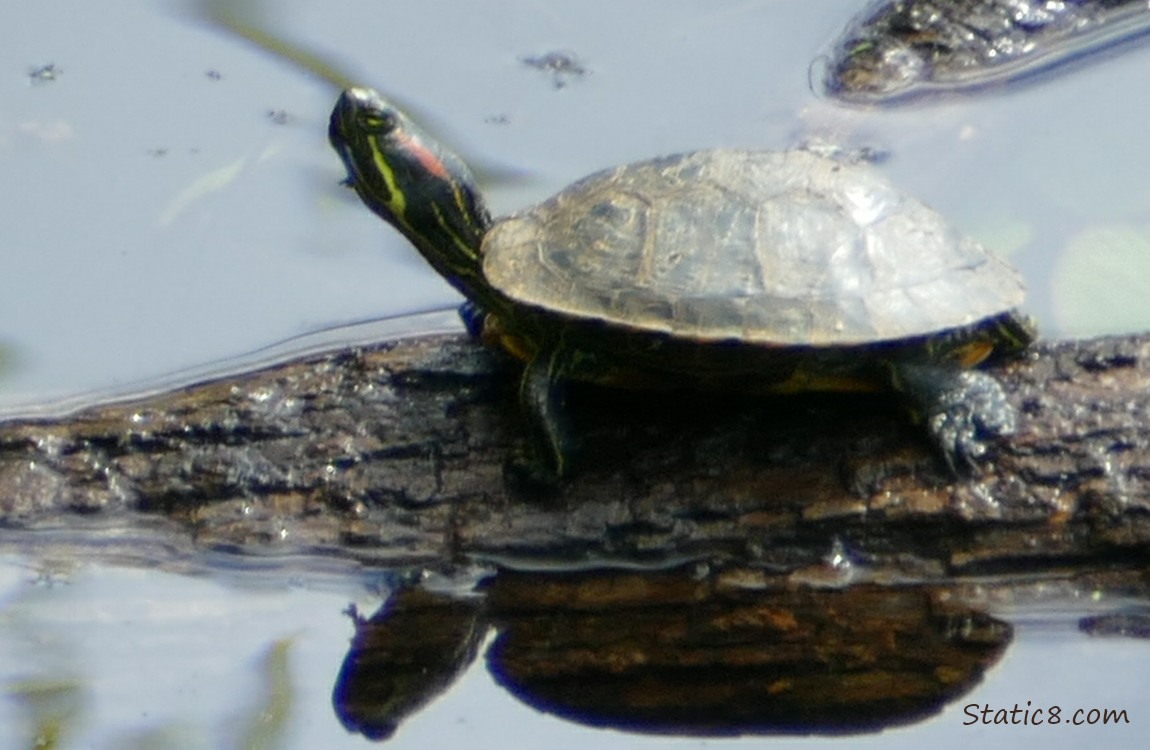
column 171, row 203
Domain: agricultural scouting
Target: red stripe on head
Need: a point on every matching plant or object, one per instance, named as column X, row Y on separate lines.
column 426, row 157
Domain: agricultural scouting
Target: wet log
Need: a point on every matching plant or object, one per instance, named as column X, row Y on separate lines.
column 395, row 454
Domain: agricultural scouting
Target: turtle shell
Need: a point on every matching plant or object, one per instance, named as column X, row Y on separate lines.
column 771, row 248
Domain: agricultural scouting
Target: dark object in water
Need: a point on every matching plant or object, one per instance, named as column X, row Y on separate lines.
column 904, row 49
column 1125, row 624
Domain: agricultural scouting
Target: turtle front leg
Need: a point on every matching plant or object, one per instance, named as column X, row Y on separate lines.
column 541, row 401
column 473, row 317
column 963, row 410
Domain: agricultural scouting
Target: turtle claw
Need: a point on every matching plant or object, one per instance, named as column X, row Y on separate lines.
column 964, row 410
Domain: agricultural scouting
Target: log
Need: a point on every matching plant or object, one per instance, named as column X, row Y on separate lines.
column 395, row 454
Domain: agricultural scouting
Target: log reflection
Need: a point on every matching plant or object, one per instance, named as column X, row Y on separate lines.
column 681, row 652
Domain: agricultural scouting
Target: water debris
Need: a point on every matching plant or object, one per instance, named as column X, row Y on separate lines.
column 905, row 49
column 563, row 66
column 40, row 74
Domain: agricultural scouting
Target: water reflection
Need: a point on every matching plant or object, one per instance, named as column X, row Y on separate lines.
column 676, row 652
column 405, row 655
column 1127, row 624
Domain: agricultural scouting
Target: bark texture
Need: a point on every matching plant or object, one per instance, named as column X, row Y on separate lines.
column 395, row 454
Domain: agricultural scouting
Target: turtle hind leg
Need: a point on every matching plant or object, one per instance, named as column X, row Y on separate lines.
column 550, row 445
column 963, row 410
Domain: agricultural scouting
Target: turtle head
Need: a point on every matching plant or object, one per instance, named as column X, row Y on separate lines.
column 423, row 190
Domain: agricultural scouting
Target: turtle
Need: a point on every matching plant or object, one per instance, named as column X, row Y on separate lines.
column 751, row 271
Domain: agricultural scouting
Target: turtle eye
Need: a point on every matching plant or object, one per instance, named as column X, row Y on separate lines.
column 378, row 121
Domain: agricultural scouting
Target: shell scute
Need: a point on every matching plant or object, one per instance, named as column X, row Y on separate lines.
column 771, row 248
